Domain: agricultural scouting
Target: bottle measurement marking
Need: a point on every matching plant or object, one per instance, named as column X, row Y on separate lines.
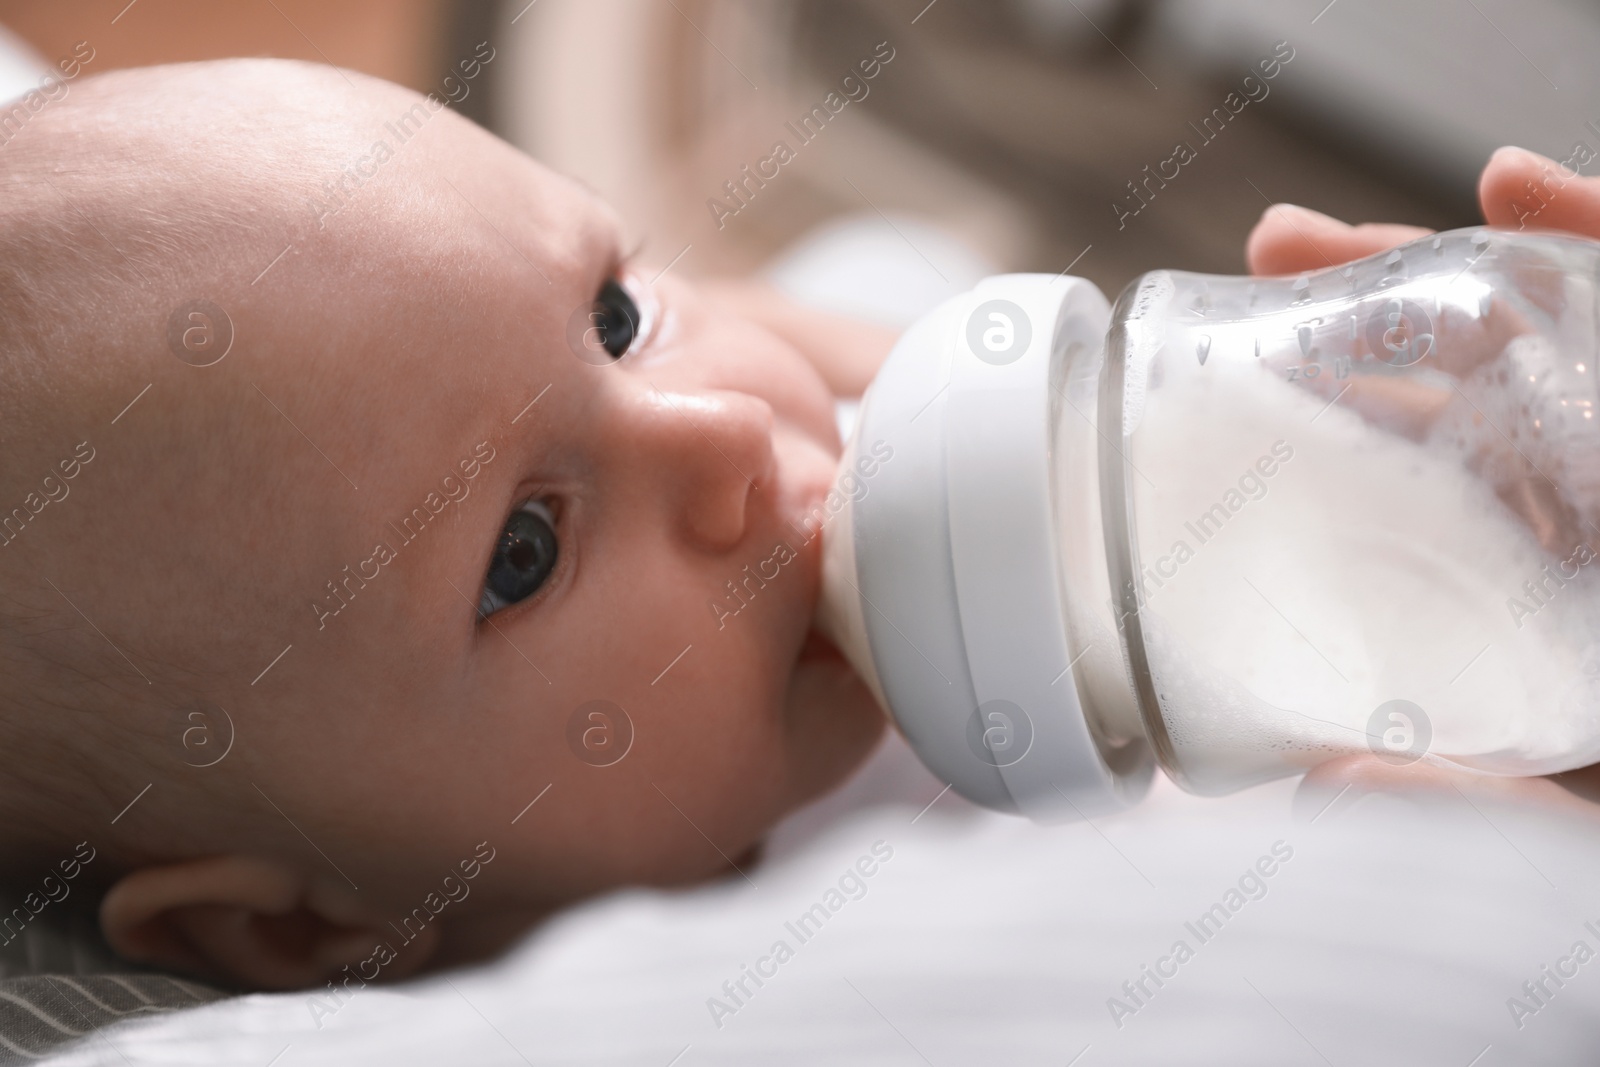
column 1341, row 370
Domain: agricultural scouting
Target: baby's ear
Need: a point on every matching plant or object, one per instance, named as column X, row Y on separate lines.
column 247, row 922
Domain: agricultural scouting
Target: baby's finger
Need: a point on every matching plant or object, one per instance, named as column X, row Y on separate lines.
column 1525, row 190
column 1290, row 239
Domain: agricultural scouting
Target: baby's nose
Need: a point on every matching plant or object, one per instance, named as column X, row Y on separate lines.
column 709, row 450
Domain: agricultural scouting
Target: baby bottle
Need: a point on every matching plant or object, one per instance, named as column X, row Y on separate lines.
column 1234, row 526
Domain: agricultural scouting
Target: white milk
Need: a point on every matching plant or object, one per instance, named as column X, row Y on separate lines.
column 1368, row 568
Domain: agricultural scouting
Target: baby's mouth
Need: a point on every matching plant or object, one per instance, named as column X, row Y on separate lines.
column 818, row 649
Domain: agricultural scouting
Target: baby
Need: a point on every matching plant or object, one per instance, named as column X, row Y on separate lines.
column 362, row 509
column 362, row 513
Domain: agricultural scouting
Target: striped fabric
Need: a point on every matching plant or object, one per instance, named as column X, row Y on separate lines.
column 38, row 1013
column 60, row 982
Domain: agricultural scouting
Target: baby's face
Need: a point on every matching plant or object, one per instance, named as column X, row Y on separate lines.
column 409, row 427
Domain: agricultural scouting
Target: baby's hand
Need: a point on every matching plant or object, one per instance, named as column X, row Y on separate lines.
column 1518, row 189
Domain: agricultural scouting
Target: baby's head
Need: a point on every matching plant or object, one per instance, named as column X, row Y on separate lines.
column 245, row 596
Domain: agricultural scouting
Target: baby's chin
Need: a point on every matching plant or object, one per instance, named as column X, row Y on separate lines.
column 833, row 722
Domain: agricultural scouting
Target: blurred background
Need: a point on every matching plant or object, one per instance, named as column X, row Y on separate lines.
column 1019, row 125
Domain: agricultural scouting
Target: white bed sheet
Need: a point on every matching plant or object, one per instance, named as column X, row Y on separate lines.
column 1393, row 934
column 20, row 66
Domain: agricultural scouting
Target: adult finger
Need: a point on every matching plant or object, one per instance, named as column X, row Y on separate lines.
column 1339, row 783
column 1290, row 239
column 1524, row 190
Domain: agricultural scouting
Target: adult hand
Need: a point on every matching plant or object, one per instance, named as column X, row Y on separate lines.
column 1520, row 190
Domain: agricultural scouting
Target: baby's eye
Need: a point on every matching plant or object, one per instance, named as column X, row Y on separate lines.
column 615, row 318
column 523, row 558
